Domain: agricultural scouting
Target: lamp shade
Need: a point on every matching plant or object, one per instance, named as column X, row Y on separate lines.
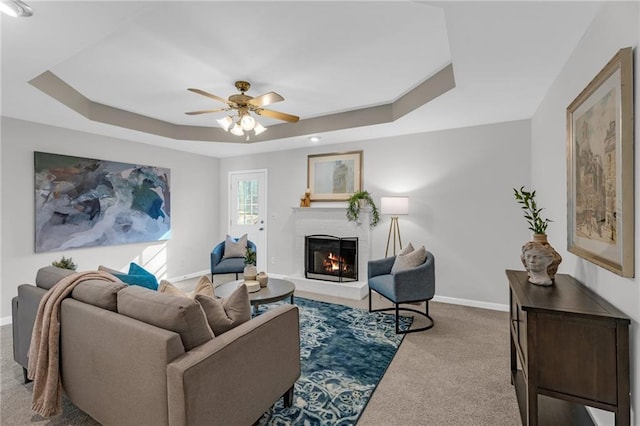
column 394, row 205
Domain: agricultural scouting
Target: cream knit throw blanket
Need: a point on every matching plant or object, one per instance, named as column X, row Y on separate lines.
column 44, row 351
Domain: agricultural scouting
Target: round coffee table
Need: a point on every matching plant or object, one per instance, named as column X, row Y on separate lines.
column 276, row 290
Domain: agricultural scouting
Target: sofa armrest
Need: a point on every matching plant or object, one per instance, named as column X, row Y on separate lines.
column 237, row 376
column 24, row 311
column 380, row 266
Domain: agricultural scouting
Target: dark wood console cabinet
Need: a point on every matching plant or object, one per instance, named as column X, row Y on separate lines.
column 567, row 343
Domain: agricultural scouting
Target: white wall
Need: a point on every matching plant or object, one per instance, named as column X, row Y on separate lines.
column 615, row 27
column 461, row 200
column 194, row 206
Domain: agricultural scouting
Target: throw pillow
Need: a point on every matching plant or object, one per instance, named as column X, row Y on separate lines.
column 235, row 247
column 409, row 260
column 137, row 276
column 230, row 312
column 179, row 314
column 204, row 287
column 135, row 269
column 141, row 280
column 406, row 250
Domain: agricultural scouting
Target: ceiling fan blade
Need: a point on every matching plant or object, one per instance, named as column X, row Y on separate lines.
column 209, row 95
column 206, row 111
column 279, row 115
column 266, row 99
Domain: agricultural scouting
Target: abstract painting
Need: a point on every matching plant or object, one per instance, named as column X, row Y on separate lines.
column 84, row 202
column 600, row 169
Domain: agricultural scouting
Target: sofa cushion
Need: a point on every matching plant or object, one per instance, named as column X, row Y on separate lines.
column 230, row 312
column 235, row 247
column 203, row 287
column 103, row 294
column 47, row 276
column 409, row 260
column 109, row 270
column 179, row 314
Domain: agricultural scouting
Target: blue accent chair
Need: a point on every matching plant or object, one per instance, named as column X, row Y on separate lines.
column 409, row 286
column 231, row 265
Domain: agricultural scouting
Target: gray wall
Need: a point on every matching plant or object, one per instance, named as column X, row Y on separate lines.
column 616, row 26
column 461, row 200
column 194, row 209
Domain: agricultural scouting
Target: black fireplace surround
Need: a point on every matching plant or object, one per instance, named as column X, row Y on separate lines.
column 330, row 258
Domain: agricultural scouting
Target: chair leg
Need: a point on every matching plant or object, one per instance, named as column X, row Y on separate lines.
column 25, row 375
column 396, row 307
column 288, row 397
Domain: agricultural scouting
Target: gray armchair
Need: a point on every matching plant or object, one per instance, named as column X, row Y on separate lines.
column 409, row 286
column 230, row 265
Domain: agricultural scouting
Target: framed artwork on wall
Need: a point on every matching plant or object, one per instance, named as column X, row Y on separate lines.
column 600, row 186
column 335, row 176
column 84, row 202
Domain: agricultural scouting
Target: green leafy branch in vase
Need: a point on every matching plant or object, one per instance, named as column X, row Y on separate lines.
column 537, row 224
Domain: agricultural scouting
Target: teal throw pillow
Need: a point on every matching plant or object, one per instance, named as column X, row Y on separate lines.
column 147, row 281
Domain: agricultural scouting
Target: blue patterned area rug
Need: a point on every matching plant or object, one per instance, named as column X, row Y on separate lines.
column 344, row 353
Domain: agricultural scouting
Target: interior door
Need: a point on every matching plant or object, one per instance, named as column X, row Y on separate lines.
column 248, row 210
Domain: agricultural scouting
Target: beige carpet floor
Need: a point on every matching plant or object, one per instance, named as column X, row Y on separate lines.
column 457, row 373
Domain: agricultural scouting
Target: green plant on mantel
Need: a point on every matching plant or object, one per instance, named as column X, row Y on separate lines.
column 250, row 257
column 531, row 211
column 65, row 263
column 353, row 208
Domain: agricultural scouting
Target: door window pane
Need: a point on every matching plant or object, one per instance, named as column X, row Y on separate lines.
column 247, row 211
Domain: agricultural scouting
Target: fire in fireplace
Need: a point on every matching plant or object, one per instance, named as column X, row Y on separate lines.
column 331, row 258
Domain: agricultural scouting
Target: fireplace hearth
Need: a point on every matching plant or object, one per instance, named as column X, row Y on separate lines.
column 331, row 258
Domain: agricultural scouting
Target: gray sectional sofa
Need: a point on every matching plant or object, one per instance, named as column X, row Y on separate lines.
column 125, row 371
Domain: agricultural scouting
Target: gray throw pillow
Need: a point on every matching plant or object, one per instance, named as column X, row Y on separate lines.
column 233, row 248
column 409, row 260
column 406, row 250
column 230, row 312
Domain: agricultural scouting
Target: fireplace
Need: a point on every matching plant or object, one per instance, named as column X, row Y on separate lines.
column 331, row 258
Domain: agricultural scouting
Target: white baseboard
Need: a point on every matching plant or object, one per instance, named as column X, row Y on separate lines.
column 189, row 276
column 472, row 303
column 5, row 321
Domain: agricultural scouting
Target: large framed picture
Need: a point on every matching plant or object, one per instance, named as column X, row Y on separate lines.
column 600, row 186
column 334, row 177
column 85, row 202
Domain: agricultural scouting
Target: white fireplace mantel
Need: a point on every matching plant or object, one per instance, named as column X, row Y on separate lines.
column 331, row 221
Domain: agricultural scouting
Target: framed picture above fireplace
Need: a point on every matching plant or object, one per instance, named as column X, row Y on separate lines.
column 335, row 176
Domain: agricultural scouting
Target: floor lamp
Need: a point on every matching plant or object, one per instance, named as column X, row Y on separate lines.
column 394, row 206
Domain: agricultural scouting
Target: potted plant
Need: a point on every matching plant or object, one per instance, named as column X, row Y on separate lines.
column 250, row 270
column 356, row 202
column 65, row 263
column 537, row 224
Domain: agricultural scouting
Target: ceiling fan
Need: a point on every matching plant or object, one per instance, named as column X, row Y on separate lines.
column 243, row 104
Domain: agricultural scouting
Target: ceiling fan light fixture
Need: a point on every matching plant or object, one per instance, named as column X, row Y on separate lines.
column 259, row 128
column 247, row 122
column 225, row 122
column 236, row 130
column 15, row 8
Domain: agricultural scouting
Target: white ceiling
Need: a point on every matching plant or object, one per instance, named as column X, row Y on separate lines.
column 322, row 57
